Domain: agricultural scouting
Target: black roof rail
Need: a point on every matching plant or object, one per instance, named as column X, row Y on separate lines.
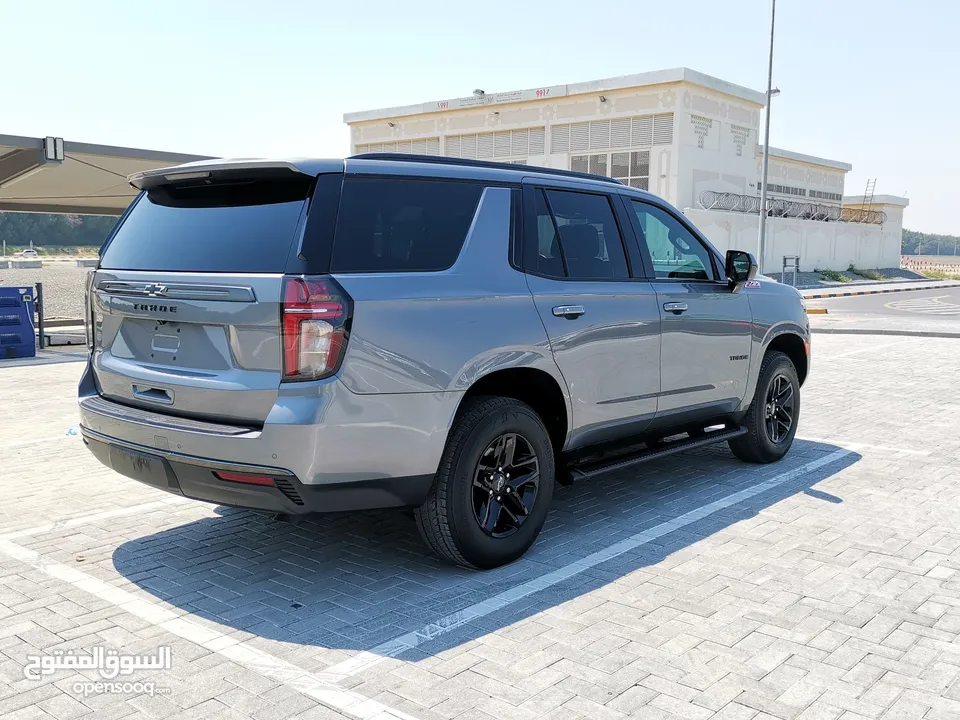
column 439, row 160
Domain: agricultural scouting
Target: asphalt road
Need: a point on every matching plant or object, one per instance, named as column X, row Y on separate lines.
column 919, row 304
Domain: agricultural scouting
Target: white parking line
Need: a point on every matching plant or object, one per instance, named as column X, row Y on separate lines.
column 310, row 684
column 95, row 517
column 398, row 645
column 860, row 445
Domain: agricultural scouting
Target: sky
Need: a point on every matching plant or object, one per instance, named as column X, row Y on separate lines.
column 870, row 82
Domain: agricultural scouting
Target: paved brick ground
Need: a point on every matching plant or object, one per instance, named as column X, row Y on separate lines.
column 830, row 593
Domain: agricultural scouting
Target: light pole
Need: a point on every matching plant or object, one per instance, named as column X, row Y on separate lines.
column 766, row 142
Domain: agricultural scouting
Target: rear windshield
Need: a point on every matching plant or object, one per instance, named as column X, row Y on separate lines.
column 246, row 226
column 402, row 225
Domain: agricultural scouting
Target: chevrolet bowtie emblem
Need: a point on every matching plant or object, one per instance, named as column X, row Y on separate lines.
column 155, row 289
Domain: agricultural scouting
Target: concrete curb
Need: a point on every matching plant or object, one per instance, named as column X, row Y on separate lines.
column 878, row 292
column 816, row 311
column 880, row 331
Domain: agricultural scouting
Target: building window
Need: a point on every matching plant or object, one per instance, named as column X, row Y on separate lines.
column 821, row 195
column 424, row 146
column 783, row 189
column 630, row 168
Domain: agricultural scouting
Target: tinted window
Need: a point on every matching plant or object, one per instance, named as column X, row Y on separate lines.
column 233, row 227
column 589, row 236
column 402, row 225
column 548, row 260
column 674, row 250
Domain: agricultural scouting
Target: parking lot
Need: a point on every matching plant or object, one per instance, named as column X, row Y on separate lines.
column 821, row 587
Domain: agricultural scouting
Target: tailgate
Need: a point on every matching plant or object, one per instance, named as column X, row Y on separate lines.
column 187, row 296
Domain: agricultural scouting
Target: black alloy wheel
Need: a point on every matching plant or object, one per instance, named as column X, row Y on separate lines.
column 778, row 410
column 505, row 485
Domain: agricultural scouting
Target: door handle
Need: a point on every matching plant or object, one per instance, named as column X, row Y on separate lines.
column 675, row 307
column 571, row 312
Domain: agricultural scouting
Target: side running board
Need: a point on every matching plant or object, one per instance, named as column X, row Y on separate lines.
column 651, row 452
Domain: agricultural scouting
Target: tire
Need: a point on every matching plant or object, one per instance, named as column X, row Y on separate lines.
column 758, row 445
column 450, row 519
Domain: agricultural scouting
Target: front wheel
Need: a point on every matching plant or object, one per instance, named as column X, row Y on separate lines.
column 493, row 489
column 772, row 417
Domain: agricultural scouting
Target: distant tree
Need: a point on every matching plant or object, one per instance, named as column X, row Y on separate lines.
column 46, row 230
column 918, row 243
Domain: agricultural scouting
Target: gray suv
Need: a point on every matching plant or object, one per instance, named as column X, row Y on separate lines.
column 450, row 336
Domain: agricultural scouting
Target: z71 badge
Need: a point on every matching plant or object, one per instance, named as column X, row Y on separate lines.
column 751, row 284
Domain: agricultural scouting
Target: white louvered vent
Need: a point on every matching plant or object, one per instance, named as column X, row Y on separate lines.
column 433, row 146
column 501, row 143
column 579, row 136
column 600, row 135
column 485, row 146
column 620, row 133
column 536, row 141
column 452, row 146
column 468, row 146
column 641, row 132
column 369, row 148
column 519, row 142
column 418, row 147
column 663, row 129
column 560, row 138
column 390, row 147
column 403, row 146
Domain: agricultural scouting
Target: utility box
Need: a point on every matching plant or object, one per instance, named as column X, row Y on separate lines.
column 17, row 339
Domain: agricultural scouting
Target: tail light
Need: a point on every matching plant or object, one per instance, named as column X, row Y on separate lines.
column 315, row 319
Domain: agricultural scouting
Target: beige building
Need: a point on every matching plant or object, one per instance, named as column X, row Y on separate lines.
column 685, row 136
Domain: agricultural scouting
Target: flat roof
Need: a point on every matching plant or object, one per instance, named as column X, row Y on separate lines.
column 89, row 179
column 656, row 77
column 811, row 159
column 877, row 200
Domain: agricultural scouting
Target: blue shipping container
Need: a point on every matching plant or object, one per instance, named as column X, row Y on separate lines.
column 17, row 338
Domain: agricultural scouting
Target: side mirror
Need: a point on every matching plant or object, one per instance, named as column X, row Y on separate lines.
column 740, row 266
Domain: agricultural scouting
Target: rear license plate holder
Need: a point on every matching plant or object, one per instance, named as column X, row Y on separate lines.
column 150, row 469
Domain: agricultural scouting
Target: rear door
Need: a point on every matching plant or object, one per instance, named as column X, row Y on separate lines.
column 603, row 324
column 187, row 296
column 706, row 328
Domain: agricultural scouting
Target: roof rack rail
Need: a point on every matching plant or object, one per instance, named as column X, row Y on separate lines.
column 439, row 160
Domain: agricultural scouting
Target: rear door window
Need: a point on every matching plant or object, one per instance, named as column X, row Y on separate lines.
column 237, row 227
column 402, row 225
column 590, row 246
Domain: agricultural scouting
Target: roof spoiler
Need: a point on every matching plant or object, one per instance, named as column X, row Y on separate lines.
column 214, row 170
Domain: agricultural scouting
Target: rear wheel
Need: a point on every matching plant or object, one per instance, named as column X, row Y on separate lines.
column 493, row 489
column 773, row 415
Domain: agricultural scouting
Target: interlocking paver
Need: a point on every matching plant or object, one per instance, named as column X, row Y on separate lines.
column 835, row 596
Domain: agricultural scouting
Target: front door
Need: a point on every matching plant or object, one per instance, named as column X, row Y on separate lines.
column 603, row 326
column 705, row 327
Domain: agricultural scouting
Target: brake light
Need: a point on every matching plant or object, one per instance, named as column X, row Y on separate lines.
column 314, row 322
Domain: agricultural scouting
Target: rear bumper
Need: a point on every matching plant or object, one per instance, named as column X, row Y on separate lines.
column 320, row 433
column 194, row 477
